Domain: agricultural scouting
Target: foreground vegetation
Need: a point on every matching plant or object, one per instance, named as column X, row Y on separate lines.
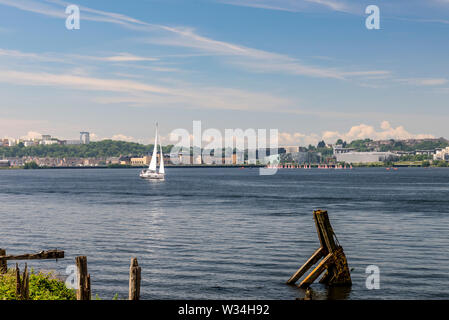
column 43, row 286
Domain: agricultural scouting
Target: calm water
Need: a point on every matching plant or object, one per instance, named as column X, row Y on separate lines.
column 230, row 233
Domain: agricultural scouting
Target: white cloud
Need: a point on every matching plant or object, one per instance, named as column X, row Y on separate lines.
column 364, row 131
column 94, row 137
column 32, row 135
column 292, row 139
column 361, row 131
column 122, row 137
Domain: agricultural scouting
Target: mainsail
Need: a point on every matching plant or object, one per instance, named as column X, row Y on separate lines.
column 161, row 165
column 153, row 162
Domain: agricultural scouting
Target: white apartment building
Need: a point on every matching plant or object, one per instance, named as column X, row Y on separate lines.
column 291, row 149
column 442, row 155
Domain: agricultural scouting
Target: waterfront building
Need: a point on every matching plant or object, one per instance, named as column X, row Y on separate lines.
column 72, row 142
column 28, row 143
column 113, row 160
column 84, row 137
column 425, row 152
column 338, row 149
column 442, row 154
column 49, row 142
column 4, row 163
column 143, row 161
column 291, row 149
column 365, row 157
column 197, row 160
column 125, row 160
column 15, row 161
column 304, row 157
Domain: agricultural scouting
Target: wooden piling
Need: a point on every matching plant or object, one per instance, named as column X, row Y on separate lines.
column 18, row 282
column 3, row 262
column 22, row 284
column 83, row 292
column 134, row 280
column 334, row 263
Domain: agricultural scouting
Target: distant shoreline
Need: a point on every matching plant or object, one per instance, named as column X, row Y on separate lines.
column 216, row 166
column 142, row 167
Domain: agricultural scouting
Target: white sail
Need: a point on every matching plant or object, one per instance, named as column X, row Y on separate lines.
column 153, row 162
column 161, row 165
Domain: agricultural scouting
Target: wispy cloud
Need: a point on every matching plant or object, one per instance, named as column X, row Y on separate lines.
column 57, row 57
column 424, row 81
column 125, row 57
column 143, row 94
column 405, row 10
column 255, row 60
column 294, row 5
column 248, row 58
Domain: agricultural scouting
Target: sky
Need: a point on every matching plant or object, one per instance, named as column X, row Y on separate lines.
column 309, row 68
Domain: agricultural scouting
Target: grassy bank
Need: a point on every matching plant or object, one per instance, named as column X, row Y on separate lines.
column 43, row 286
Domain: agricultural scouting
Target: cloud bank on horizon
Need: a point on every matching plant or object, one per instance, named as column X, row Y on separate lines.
column 358, row 132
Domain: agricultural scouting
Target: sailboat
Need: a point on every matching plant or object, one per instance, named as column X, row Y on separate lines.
column 151, row 173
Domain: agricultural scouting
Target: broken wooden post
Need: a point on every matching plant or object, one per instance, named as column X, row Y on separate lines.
column 334, row 262
column 83, row 292
column 3, row 262
column 51, row 254
column 134, row 280
column 22, row 284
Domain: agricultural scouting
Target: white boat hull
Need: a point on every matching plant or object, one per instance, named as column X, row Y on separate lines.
column 150, row 175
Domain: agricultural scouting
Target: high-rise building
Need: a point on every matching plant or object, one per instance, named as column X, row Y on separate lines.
column 84, row 137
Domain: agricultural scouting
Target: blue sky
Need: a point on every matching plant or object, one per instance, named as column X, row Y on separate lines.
column 309, row 68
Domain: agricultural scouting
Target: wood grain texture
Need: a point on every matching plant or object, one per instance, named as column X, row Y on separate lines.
column 50, row 254
column 134, row 280
column 334, row 264
column 83, row 292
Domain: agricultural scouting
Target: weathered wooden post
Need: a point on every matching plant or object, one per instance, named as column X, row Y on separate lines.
column 334, row 260
column 134, row 280
column 22, row 284
column 83, row 292
column 3, row 262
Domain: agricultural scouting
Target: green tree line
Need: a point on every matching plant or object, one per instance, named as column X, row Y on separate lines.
column 100, row 149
